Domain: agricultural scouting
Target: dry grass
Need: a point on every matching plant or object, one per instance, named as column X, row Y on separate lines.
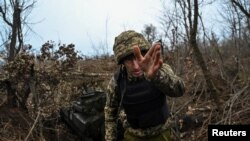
column 196, row 103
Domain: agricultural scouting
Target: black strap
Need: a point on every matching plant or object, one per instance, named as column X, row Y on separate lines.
column 121, row 73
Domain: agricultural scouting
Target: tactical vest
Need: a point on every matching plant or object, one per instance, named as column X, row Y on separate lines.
column 144, row 105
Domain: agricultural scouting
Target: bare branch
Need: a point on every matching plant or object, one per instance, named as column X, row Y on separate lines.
column 242, row 9
column 190, row 14
column 4, row 14
column 33, row 126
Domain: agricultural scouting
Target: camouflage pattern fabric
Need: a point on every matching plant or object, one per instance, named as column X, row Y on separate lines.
column 162, row 136
column 124, row 43
column 165, row 80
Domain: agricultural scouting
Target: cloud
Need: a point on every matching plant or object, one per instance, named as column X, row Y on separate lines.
column 88, row 22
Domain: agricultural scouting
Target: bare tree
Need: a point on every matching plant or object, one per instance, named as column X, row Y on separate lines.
column 237, row 19
column 150, row 32
column 183, row 23
column 12, row 14
column 193, row 22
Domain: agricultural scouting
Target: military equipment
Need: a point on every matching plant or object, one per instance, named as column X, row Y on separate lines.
column 124, row 43
column 86, row 117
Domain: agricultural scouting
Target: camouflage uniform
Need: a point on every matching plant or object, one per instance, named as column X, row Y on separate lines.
column 165, row 80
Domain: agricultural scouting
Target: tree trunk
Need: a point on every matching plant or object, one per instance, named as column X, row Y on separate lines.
column 199, row 58
column 12, row 50
column 15, row 25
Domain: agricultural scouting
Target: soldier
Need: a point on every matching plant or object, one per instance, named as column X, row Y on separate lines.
column 140, row 88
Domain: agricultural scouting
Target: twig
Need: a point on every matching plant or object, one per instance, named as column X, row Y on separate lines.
column 227, row 114
column 33, row 126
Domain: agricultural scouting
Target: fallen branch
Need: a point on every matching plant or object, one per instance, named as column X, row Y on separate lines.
column 33, row 126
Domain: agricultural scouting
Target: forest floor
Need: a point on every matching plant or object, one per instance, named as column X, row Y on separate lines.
column 194, row 111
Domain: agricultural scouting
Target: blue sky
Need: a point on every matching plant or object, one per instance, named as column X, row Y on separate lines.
column 88, row 23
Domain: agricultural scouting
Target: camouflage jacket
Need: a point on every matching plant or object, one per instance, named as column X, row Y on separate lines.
column 165, row 80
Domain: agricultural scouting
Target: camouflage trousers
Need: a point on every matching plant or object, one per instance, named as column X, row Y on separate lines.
column 163, row 132
column 163, row 136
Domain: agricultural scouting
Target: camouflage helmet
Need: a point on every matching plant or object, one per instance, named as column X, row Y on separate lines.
column 124, row 43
